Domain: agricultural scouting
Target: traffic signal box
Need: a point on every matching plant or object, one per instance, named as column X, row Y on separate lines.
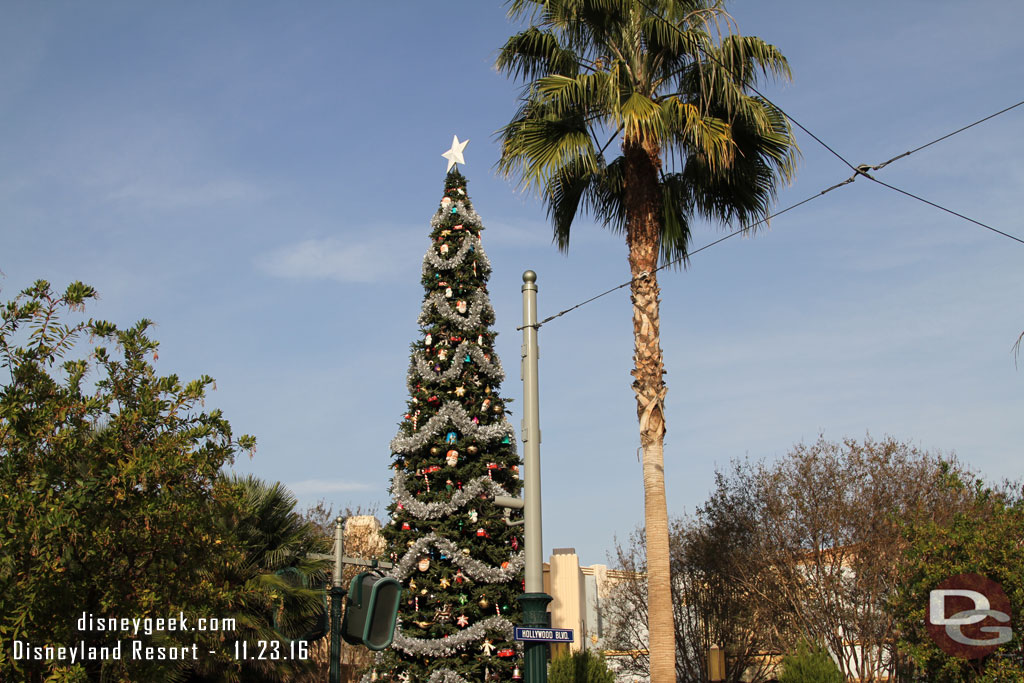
column 371, row 609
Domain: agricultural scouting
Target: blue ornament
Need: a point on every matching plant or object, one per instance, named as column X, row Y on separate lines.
column 450, row 437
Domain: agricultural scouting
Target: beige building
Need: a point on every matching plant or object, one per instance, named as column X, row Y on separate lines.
column 577, row 594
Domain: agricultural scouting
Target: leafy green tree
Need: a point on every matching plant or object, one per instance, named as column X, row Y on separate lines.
column 582, row 666
column 693, row 141
column 983, row 538
column 809, row 664
column 107, row 475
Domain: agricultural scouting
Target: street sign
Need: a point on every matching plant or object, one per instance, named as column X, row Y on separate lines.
column 543, row 635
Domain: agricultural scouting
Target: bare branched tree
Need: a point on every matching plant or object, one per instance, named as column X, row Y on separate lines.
column 710, row 605
column 829, row 520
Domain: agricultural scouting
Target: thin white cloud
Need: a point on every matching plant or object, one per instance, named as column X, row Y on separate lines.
column 332, row 258
column 318, row 486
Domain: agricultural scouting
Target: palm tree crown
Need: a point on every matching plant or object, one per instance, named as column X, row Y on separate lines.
column 650, row 75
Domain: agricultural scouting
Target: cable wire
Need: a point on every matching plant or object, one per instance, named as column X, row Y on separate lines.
column 942, row 208
column 944, row 137
column 689, row 254
column 861, row 170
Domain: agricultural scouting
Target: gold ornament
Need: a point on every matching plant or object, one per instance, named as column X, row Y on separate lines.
column 484, row 602
column 460, row 391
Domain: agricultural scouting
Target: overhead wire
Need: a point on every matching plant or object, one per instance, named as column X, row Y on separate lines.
column 689, row 254
column 942, row 208
column 861, row 170
column 948, row 135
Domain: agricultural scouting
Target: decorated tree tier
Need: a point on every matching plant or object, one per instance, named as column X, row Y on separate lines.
column 459, row 562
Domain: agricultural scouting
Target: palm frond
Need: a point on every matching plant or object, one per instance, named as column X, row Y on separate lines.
column 537, row 144
column 583, row 94
column 534, row 53
column 677, row 207
column 640, row 118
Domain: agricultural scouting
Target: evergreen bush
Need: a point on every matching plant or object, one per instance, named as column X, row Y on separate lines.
column 580, row 667
column 810, row 664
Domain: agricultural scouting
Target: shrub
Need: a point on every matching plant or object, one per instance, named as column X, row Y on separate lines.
column 580, row 667
column 809, row 664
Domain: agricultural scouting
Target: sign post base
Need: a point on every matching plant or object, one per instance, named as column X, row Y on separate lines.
column 535, row 614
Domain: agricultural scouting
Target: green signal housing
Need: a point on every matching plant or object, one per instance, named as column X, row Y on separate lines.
column 371, row 609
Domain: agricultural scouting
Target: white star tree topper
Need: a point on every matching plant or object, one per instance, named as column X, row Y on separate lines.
column 454, row 155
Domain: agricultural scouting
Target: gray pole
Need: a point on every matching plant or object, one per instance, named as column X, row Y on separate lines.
column 337, row 594
column 531, row 438
column 534, row 600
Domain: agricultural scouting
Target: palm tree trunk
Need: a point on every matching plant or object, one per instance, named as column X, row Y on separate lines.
column 643, row 211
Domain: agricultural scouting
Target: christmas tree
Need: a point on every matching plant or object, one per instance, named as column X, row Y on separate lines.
column 460, row 563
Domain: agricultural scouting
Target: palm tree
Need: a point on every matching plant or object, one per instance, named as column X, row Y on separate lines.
column 271, row 582
column 694, row 142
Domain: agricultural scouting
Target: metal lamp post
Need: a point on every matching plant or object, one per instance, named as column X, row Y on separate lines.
column 534, row 600
column 337, row 593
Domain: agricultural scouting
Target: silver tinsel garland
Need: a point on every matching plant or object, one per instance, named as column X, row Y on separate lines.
column 478, row 303
column 438, row 509
column 444, row 647
column 475, row 569
column 439, row 676
column 446, row 676
column 425, row 370
column 450, row 414
column 469, row 242
column 465, row 215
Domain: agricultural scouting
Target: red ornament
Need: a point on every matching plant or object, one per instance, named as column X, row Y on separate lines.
column 482, row 533
column 506, row 652
column 405, row 526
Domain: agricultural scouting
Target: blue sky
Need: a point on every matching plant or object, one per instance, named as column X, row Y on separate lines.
column 258, row 178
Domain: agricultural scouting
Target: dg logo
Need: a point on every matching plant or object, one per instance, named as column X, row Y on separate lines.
column 969, row 616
